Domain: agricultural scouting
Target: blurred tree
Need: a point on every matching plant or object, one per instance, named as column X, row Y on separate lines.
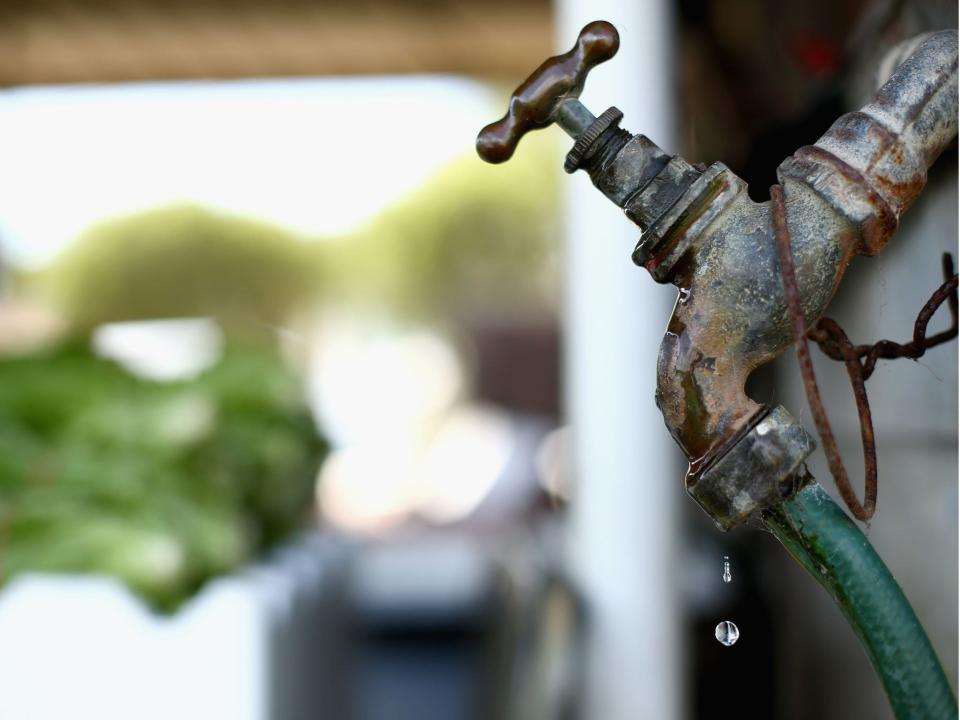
column 473, row 236
column 182, row 261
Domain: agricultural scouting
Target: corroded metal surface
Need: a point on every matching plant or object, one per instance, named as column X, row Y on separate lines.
column 637, row 163
column 731, row 315
column 701, row 232
column 738, row 484
column 844, row 195
column 872, row 164
column 862, row 511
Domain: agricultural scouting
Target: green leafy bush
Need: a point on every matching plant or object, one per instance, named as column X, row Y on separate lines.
column 162, row 485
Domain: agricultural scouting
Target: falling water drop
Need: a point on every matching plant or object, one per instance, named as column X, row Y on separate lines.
column 727, row 576
column 727, row 633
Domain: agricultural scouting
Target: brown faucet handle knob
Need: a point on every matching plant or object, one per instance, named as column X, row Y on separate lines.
column 534, row 103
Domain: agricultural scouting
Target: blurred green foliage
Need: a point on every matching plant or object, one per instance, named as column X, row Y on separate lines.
column 182, row 261
column 162, row 485
column 472, row 236
column 167, row 485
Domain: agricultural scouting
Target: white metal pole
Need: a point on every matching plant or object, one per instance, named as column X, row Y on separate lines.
column 624, row 537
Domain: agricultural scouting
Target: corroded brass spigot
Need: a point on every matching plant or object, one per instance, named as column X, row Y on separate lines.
column 701, row 232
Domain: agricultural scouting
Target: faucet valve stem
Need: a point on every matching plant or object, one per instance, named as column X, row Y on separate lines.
column 573, row 117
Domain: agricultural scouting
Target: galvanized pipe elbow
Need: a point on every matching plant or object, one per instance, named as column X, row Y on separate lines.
column 845, row 196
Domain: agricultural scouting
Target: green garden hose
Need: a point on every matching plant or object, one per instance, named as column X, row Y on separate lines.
column 831, row 547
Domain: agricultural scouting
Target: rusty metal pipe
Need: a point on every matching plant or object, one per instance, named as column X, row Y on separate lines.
column 844, row 194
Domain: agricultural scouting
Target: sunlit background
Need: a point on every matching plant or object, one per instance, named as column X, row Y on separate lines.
column 227, row 146
column 307, row 413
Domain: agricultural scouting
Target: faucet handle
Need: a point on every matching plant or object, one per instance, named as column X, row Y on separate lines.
column 550, row 94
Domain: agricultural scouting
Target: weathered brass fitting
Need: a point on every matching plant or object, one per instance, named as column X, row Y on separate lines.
column 701, row 232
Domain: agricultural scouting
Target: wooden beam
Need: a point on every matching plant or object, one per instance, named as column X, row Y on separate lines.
column 63, row 42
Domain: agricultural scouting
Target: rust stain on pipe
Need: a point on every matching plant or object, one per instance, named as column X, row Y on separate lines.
column 845, row 196
column 840, row 197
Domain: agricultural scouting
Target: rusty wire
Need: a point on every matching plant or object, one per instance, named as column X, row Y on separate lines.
column 862, row 511
column 833, row 345
column 860, row 360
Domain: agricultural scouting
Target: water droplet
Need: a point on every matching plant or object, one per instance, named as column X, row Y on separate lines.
column 727, row 633
column 684, row 295
column 727, row 576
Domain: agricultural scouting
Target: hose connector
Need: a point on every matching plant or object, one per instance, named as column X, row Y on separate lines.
column 758, row 470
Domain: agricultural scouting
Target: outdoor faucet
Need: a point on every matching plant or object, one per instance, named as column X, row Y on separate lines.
column 700, row 231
